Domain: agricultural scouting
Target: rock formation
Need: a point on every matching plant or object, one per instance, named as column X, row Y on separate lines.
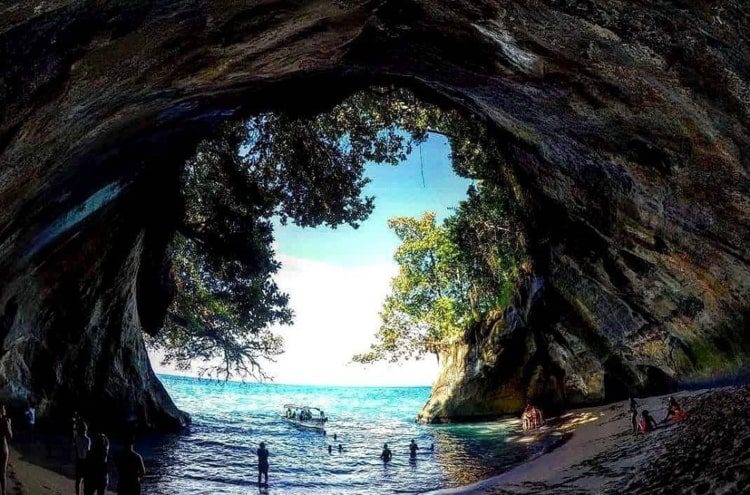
column 624, row 125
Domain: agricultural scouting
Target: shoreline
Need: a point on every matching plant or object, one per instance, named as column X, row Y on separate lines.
column 708, row 452
column 595, row 453
column 28, row 476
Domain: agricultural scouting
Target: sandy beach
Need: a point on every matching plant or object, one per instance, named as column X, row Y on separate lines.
column 709, row 452
column 30, row 472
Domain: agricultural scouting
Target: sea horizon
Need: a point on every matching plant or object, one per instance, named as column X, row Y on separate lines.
column 160, row 374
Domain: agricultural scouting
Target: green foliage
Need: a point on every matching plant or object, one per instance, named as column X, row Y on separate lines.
column 208, row 319
column 306, row 170
column 310, row 171
column 427, row 299
column 448, row 275
column 488, row 238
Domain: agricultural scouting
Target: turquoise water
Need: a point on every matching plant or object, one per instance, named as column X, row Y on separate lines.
column 217, row 456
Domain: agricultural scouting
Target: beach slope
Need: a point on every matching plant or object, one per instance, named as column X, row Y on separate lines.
column 709, row 452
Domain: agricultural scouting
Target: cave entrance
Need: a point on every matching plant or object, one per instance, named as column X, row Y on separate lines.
column 262, row 198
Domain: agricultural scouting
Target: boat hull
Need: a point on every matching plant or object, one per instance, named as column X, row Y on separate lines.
column 306, row 425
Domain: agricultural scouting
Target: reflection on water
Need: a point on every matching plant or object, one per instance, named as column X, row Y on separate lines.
column 229, row 420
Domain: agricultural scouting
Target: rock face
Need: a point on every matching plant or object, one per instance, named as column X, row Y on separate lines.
column 624, row 126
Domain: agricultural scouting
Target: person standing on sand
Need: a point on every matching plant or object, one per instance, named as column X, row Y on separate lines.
column 634, row 414
column 6, row 434
column 674, row 411
column 81, row 445
column 262, row 464
column 538, row 417
column 97, row 476
column 647, row 423
column 130, row 470
column 526, row 417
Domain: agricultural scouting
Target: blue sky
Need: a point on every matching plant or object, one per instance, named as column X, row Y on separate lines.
column 399, row 191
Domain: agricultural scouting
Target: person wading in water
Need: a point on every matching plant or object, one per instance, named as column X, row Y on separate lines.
column 386, row 455
column 413, row 448
column 262, row 464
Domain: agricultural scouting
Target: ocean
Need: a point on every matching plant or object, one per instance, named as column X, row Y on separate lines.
column 217, row 455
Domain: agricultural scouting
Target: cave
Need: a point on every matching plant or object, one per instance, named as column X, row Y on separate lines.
column 625, row 132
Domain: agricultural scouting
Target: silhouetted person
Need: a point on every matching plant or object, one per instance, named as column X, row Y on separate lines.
column 6, row 434
column 130, row 470
column 81, row 445
column 262, row 463
column 413, row 448
column 341, row 448
column 432, row 447
column 74, row 423
column 330, row 449
column 334, row 437
column 97, row 478
column 647, row 422
column 387, row 455
column 634, row 414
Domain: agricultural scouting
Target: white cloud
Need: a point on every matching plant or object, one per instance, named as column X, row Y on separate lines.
column 336, row 315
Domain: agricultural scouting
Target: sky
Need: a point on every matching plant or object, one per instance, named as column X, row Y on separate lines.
column 338, row 278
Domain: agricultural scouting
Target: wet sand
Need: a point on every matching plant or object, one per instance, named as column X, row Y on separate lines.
column 29, row 478
column 33, row 470
column 708, row 453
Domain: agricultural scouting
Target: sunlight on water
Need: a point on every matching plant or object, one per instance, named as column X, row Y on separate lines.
column 230, row 419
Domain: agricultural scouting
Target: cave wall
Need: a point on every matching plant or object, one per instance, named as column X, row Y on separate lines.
column 623, row 124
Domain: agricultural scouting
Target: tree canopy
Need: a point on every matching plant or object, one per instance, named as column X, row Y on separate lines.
column 308, row 171
column 428, row 297
column 449, row 275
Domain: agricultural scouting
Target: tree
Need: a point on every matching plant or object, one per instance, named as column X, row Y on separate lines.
column 428, row 300
column 489, row 242
column 308, row 170
column 448, row 275
column 305, row 169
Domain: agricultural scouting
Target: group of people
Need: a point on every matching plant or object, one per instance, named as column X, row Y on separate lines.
column 385, row 456
column 92, row 463
column 305, row 415
column 646, row 423
column 532, row 417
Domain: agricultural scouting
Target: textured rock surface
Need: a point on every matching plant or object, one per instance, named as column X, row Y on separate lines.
column 625, row 125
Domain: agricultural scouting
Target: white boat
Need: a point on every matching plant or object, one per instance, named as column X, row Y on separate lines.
column 307, row 417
